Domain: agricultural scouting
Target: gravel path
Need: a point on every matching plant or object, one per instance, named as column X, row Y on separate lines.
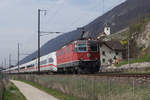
column 32, row 93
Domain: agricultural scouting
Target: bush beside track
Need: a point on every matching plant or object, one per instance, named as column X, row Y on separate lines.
column 136, row 60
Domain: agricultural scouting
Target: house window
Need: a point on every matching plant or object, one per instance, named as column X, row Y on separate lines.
column 110, row 52
column 103, row 53
column 114, row 57
column 117, row 53
column 103, row 60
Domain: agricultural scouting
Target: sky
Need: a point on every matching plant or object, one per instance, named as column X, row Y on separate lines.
column 18, row 22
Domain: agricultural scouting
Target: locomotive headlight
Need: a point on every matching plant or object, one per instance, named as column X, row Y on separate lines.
column 81, row 59
column 88, row 55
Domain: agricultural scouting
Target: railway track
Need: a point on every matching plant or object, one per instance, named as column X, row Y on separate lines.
column 118, row 75
column 99, row 75
column 107, row 75
column 123, row 74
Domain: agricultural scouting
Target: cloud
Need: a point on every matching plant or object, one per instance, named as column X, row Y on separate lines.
column 60, row 1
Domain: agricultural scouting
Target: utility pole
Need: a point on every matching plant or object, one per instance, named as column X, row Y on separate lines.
column 39, row 31
column 129, row 53
column 132, row 37
column 39, row 40
column 5, row 62
column 2, row 65
column 18, row 57
column 9, row 61
column 39, row 35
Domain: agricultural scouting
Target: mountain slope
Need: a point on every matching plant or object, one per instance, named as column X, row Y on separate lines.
column 118, row 18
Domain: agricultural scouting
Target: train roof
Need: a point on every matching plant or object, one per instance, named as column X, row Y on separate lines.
column 82, row 39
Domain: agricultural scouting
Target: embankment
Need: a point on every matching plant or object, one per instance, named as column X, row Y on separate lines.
column 93, row 88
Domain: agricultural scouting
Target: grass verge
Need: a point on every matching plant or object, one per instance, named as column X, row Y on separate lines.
column 55, row 93
column 13, row 93
column 100, row 88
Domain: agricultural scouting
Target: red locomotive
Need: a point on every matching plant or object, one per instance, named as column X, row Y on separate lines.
column 79, row 56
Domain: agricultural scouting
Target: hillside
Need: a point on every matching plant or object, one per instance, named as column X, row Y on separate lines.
column 118, row 18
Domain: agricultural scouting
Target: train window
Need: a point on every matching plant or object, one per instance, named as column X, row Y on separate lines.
column 59, row 53
column 22, row 68
column 50, row 60
column 43, row 62
column 81, row 48
column 30, row 65
column 68, row 50
column 63, row 52
column 93, row 47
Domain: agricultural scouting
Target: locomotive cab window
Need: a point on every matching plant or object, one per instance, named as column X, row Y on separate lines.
column 93, row 47
column 81, row 48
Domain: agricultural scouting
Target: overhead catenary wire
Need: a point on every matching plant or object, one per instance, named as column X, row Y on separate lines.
column 50, row 20
column 54, row 14
column 103, row 7
column 85, row 15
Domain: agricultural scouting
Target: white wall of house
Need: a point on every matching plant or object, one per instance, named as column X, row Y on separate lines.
column 107, row 54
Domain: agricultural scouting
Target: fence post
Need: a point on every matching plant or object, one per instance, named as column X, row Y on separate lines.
column 3, row 88
column 109, row 89
column 93, row 89
column 3, row 91
column 133, row 88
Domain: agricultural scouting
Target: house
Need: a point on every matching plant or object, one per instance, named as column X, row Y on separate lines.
column 111, row 51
